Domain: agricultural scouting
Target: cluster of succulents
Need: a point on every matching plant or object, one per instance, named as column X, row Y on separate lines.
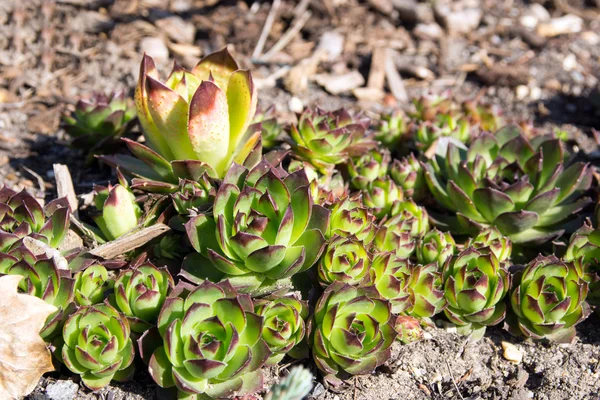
column 334, row 244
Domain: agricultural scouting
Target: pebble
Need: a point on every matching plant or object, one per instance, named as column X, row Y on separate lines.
column 428, row 31
column 155, row 47
column 569, row 62
column 338, row 84
column 535, row 93
column 333, row 44
column 512, row 353
column 521, row 92
column 457, row 20
column 558, row 26
column 296, row 105
column 590, row 37
column 552, row 84
column 61, row 390
column 177, row 29
column 534, row 15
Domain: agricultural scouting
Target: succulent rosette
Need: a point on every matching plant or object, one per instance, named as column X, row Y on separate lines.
column 391, row 129
column 91, row 284
column 284, row 325
column 351, row 331
column 407, row 173
column 22, row 215
column 194, row 123
column 211, row 344
column 523, row 188
column 382, row 196
column 409, row 329
column 345, row 260
column 475, row 283
column 349, row 217
column 548, row 299
column 97, row 346
column 391, row 276
column 584, row 243
column 193, row 195
column 140, row 293
column 42, row 278
column 271, row 130
column 100, row 119
column 435, row 247
column 395, row 235
column 497, row 243
column 399, row 234
column 428, row 133
column 264, row 227
column 362, row 171
column 326, row 139
column 119, row 212
column 426, row 291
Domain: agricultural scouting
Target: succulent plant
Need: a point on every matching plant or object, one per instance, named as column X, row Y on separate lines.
column 295, row 386
column 100, row 120
column 523, row 188
column 435, row 247
column 326, row 139
column 584, row 243
column 487, row 116
column 345, row 260
column 97, row 346
column 399, row 233
column 446, row 126
column 193, row 195
column 407, row 173
column 21, row 215
column 426, row 291
column 91, row 284
column 42, row 278
column 284, row 325
column 264, row 227
column 324, row 188
column 350, row 217
column 351, row 332
column 139, row 294
column 548, row 299
column 195, row 123
column 475, row 283
column 382, row 196
column 119, row 212
column 271, row 130
column 364, row 170
column 491, row 238
column 211, row 343
column 391, row 129
column 409, row 329
column 391, row 276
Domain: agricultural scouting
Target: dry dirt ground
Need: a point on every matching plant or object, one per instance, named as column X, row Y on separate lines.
column 538, row 60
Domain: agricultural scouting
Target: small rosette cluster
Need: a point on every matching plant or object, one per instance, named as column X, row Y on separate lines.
column 211, row 343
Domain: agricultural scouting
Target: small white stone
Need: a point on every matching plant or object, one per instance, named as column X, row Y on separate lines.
column 155, row 47
column 535, row 93
column 528, row 21
column 590, row 37
column 569, row 62
column 512, row 353
column 558, row 26
column 296, row 105
column 521, row 92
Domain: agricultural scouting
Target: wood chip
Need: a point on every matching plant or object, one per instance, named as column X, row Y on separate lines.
column 377, row 72
column 338, row 84
column 64, row 186
column 129, row 242
column 394, row 80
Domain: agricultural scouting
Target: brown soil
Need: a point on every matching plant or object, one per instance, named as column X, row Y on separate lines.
column 51, row 53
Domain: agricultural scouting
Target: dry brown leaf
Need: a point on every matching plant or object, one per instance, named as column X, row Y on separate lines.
column 24, row 357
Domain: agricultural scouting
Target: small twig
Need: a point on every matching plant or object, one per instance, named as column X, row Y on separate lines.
column 260, row 45
column 287, row 36
column 394, row 79
column 129, row 242
column 37, row 176
column 301, row 7
column 453, row 380
column 64, row 186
